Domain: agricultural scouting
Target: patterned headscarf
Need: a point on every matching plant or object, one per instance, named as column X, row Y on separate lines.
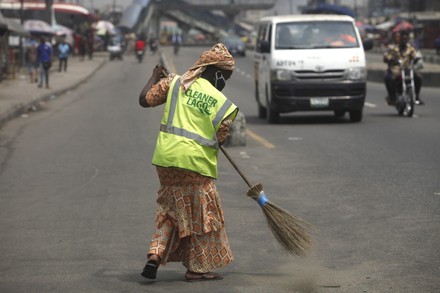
column 218, row 55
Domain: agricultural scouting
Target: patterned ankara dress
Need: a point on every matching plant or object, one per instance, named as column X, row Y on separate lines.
column 190, row 221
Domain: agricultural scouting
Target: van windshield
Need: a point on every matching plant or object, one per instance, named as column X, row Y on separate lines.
column 316, row 35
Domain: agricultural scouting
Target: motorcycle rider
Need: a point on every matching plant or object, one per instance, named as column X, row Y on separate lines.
column 139, row 48
column 153, row 44
column 402, row 50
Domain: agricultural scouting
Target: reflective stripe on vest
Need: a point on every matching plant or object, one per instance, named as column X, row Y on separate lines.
column 169, row 128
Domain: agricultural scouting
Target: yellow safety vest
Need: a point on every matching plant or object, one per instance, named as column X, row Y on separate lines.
column 187, row 137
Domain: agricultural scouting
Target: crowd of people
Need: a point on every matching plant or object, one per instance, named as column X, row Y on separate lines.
column 42, row 50
column 39, row 57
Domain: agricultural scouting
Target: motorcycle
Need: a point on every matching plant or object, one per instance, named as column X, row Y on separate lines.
column 406, row 95
column 140, row 55
column 176, row 48
column 153, row 46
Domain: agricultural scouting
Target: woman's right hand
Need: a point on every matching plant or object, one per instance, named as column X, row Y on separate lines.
column 160, row 72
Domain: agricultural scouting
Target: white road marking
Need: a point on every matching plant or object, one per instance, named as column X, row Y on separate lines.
column 370, row 105
column 242, row 72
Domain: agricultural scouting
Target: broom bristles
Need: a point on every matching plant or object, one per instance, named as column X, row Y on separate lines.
column 290, row 231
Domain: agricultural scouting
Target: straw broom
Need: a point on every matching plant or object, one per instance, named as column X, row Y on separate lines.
column 290, row 231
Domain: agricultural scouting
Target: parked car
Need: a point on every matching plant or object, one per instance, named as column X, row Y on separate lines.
column 234, row 44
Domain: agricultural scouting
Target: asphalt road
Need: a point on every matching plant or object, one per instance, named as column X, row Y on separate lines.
column 77, row 193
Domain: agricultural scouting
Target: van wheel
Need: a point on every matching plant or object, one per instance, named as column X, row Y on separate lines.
column 261, row 109
column 256, row 92
column 356, row 115
column 272, row 116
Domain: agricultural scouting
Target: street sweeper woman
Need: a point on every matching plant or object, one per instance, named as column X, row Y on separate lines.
column 190, row 224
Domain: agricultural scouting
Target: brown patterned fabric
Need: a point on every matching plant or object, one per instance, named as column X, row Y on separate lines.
column 218, row 56
column 190, row 222
column 406, row 55
column 157, row 95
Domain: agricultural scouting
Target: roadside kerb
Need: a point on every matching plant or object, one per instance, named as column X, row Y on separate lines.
column 430, row 79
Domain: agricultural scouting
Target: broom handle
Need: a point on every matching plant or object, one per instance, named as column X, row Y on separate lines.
column 235, row 166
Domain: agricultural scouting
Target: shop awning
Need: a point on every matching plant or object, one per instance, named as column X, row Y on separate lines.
column 386, row 25
column 36, row 26
column 13, row 26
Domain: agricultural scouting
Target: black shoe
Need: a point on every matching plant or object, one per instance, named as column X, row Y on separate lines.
column 150, row 270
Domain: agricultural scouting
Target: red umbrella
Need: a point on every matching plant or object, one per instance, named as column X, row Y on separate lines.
column 359, row 23
column 200, row 37
column 402, row 26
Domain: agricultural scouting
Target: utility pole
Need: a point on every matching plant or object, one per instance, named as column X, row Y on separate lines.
column 113, row 11
column 49, row 4
column 21, row 38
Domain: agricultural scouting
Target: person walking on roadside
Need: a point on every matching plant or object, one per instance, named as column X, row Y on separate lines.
column 176, row 39
column 89, row 39
column 82, row 47
column 437, row 45
column 45, row 61
column 31, row 58
column 196, row 120
column 64, row 51
column 153, row 44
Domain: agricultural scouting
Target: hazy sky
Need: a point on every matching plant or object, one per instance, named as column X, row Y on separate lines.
column 286, row 4
column 101, row 3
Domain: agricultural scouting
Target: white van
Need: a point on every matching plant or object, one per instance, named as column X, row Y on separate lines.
column 309, row 63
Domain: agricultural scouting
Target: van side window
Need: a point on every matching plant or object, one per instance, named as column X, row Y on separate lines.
column 269, row 33
column 261, row 35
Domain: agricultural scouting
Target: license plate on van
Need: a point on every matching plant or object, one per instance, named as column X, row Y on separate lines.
column 319, row 102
